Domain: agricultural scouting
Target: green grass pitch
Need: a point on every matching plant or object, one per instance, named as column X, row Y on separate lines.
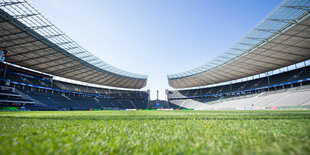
column 155, row 132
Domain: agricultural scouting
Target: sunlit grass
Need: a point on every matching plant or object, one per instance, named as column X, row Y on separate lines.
column 154, row 132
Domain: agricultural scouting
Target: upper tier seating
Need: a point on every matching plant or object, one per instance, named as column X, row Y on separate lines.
column 298, row 74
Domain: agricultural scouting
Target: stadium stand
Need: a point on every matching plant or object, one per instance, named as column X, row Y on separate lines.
column 282, row 78
column 47, row 94
column 34, row 51
column 9, row 97
column 280, row 99
column 285, row 89
column 280, row 40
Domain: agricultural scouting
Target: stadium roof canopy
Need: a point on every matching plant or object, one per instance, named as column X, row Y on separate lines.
column 34, row 42
column 282, row 38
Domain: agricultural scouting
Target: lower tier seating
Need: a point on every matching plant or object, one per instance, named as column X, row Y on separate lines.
column 296, row 97
column 82, row 102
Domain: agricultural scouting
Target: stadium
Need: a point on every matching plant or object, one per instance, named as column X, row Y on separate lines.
column 54, row 91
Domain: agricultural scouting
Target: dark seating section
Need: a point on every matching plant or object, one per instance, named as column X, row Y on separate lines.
column 82, row 102
column 25, row 76
column 9, row 97
column 294, row 75
column 69, row 95
column 119, row 94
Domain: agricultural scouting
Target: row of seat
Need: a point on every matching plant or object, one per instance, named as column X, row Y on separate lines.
column 110, row 98
column 9, row 97
column 80, row 102
column 114, row 93
column 297, row 97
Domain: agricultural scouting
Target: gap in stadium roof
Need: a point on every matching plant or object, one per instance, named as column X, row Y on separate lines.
column 152, row 38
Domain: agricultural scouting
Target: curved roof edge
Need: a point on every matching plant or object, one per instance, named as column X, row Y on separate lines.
column 286, row 14
column 25, row 13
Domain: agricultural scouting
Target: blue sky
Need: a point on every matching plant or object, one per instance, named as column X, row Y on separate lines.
column 155, row 37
